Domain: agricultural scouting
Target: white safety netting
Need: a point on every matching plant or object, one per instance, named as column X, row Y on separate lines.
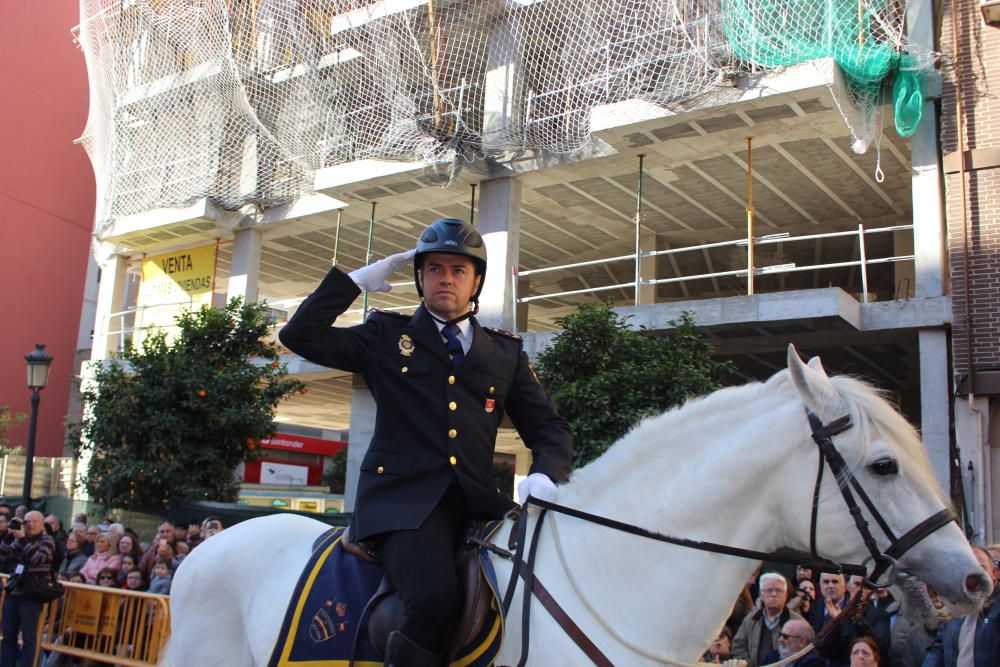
column 242, row 101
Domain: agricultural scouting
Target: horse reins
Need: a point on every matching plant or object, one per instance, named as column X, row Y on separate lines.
column 822, row 435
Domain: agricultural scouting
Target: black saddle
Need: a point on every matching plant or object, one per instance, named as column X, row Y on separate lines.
column 384, row 610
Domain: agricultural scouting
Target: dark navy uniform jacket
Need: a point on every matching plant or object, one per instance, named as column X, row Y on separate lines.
column 434, row 424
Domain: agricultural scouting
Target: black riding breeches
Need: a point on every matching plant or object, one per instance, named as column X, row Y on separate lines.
column 421, row 565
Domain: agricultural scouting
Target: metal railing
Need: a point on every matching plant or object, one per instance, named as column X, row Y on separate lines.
column 107, row 625
column 863, row 262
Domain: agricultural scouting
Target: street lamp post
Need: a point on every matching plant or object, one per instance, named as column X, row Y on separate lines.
column 38, row 374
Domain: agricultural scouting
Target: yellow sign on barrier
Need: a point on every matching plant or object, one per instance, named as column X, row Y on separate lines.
column 83, row 610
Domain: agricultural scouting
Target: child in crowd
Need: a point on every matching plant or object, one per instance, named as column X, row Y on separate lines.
column 128, row 565
column 161, row 577
column 107, row 577
column 134, row 581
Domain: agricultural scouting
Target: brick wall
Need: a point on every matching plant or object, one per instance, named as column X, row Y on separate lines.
column 976, row 55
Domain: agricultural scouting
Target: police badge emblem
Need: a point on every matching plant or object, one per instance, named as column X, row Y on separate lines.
column 405, row 345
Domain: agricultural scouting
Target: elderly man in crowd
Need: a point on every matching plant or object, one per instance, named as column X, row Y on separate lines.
column 164, row 533
column 795, row 636
column 31, row 548
column 760, row 631
column 832, row 598
column 873, row 622
column 971, row 641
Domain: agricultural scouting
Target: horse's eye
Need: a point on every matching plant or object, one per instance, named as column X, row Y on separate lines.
column 885, row 467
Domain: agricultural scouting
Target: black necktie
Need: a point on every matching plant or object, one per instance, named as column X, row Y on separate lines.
column 450, row 333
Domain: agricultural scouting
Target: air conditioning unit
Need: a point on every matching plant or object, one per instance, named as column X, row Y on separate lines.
column 991, row 11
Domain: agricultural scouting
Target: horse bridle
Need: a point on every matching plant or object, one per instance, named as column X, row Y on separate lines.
column 822, row 435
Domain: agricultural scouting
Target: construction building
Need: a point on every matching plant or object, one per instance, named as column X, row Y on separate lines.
column 788, row 172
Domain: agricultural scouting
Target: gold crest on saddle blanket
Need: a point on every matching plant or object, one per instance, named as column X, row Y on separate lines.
column 405, row 345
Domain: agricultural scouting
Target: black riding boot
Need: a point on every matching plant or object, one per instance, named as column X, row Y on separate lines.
column 401, row 651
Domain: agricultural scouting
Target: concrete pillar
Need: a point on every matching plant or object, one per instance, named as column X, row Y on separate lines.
column 110, row 302
column 934, row 401
column 905, row 275
column 926, row 176
column 499, row 223
column 972, row 431
column 521, row 309
column 360, row 436
column 245, row 270
column 501, row 106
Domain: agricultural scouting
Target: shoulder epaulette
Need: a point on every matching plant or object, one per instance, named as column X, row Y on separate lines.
column 501, row 332
column 389, row 313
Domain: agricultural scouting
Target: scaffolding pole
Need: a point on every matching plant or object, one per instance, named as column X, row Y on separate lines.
column 749, row 216
column 336, row 238
column 638, row 234
column 472, row 207
column 368, row 256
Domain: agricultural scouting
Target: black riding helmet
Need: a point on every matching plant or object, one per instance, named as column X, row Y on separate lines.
column 455, row 237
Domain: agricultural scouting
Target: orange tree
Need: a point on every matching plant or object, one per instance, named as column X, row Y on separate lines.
column 604, row 376
column 174, row 418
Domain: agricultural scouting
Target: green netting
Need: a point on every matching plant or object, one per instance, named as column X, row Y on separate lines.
column 863, row 37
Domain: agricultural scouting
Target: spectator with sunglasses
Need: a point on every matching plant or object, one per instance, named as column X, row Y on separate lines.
column 796, row 635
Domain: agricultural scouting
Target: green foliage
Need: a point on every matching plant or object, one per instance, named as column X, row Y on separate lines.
column 7, row 418
column 336, row 475
column 604, row 377
column 177, row 418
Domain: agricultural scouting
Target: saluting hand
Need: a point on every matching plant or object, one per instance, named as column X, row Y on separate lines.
column 374, row 277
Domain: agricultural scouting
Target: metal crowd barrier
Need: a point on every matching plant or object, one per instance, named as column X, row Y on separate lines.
column 107, row 625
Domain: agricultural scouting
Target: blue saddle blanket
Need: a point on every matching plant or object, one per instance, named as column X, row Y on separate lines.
column 325, row 610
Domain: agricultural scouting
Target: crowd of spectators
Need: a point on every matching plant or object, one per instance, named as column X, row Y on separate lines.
column 113, row 555
column 774, row 619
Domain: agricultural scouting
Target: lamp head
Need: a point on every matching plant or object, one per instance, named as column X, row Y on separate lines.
column 39, row 362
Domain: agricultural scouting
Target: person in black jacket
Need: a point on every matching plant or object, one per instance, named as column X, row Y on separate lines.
column 795, row 635
column 442, row 384
column 975, row 639
column 33, row 548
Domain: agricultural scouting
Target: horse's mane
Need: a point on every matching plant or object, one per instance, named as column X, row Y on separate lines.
column 871, row 412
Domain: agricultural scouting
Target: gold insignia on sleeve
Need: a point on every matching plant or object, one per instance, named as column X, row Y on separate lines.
column 405, row 345
column 531, row 368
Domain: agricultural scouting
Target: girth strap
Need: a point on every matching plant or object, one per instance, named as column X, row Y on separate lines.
column 568, row 625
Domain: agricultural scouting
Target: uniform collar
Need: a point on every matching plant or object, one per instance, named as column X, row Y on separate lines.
column 464, row 327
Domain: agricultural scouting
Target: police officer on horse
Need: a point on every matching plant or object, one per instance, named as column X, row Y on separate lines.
column 442, row 384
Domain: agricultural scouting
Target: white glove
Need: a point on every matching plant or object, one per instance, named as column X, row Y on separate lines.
column 538, row 485
column 374, row 277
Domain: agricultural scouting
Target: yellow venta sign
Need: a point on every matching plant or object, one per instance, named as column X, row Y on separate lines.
column 172, row 283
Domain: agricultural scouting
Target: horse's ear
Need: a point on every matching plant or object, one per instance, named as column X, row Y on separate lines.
column 812, row 383
column 817, row 365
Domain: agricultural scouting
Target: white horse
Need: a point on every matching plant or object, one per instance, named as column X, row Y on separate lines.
column 737, row 467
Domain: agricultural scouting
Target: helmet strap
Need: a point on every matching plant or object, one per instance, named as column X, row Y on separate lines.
column 458, row 319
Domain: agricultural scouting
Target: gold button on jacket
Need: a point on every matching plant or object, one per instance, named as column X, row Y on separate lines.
column 453, row 460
